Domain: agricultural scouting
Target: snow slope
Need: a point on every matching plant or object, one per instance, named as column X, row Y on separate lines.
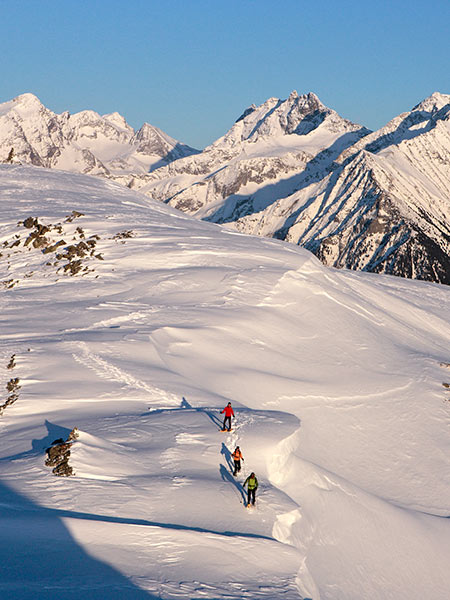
column 335, row 376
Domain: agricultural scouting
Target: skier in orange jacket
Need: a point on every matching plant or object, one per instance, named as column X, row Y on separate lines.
column 228, row 410
column 237, row 457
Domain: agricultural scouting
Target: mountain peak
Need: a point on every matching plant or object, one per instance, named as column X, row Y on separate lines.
column 26, row 103
column 116, row 119
column 433, row 103
column 27, row 99
column 84, row 141
column 298, row 114
column 25, row 106
column 307, row 103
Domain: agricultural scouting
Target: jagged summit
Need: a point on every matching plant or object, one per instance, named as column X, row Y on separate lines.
column 150, row 139
column 309, row 100
column 433, row 103
column 298, row 114
column 85, row 141
column 407, row 126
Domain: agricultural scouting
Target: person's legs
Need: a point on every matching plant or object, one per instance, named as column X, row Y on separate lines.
column 252, row 493
column 237, row 466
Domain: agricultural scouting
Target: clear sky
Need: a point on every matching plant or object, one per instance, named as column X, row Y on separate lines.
column 191, row 67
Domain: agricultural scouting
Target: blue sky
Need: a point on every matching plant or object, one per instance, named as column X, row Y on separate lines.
column 191, row 67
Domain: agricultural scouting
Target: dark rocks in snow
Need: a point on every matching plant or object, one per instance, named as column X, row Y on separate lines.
column 58, row 455
column 58, row 458
column 10, row 400
column 73, row 267
column 122, row 235
column 30, row 222
column 75, row 214
column 54, row 247
column 8, row 283
column 13, row 384
column 10, row 158
column 12, row 387
column 42, row 237
column 73, row 435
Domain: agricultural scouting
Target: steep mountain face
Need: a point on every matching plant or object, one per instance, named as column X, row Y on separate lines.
column 291, row 169
column 84, row 142
column 268, row 144
column 385, row 206
column 297, row 171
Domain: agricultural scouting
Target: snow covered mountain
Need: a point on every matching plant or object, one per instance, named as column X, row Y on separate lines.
column 267, row 145
column 289, row 169
column 297, row 171
column 84, row 142
column 136, row 324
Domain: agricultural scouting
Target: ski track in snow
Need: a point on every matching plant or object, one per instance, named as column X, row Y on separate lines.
column 283, row 521
column 173, row 456
column 106, row 370
column 172, row 551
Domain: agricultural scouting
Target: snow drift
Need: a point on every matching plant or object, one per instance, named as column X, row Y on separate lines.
column 336, row 378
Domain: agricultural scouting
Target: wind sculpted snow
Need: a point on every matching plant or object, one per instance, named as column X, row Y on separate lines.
column 138, row 329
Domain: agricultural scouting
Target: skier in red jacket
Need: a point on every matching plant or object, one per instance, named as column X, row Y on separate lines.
column 228, row 410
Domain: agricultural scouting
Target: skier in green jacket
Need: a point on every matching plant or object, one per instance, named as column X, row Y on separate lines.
column 252, row 485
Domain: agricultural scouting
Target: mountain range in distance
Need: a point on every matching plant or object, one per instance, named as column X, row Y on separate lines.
column 290, row 169
column 84, row 142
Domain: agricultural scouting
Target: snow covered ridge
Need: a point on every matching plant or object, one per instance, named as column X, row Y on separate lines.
column 84, row 142
column 290, row 169
column 296, row 171
column 338, row 379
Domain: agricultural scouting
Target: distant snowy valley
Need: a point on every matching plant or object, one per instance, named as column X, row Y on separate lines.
column 136, row 324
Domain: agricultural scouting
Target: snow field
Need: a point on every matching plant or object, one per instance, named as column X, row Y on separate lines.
column 335, row 378
column 181, row 516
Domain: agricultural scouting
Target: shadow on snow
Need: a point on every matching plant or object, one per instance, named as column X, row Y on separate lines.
column 42, row 561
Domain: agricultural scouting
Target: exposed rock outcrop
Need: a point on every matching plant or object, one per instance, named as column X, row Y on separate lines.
column 58, row 455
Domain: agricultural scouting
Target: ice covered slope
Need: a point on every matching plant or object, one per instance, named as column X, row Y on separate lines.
column 295, row 170
column 84, row 142
column 138, row 328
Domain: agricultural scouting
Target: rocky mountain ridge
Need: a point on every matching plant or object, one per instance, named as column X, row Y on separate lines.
column 291, row 169
column 83, row 142
column 295, row 170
